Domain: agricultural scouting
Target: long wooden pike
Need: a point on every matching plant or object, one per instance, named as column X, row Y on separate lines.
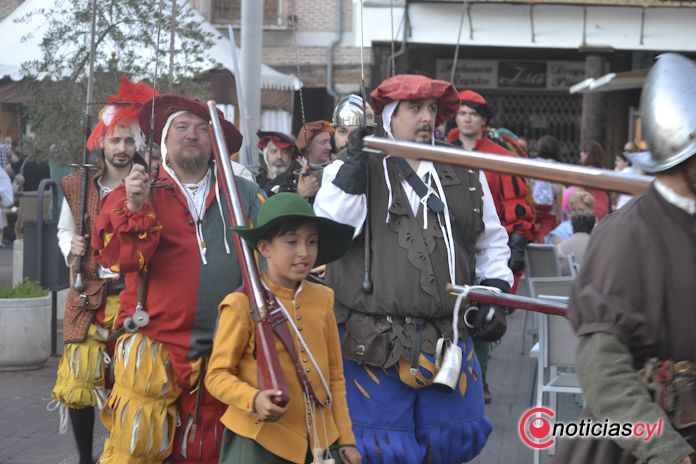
column 567, row 174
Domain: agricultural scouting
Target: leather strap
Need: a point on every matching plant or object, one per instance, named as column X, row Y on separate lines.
column 417, row 341
column 280, row 327
column 434, row 203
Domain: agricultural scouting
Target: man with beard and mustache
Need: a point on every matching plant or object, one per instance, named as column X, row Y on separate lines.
column 509, row 196
column 172, row 243
column 280, row 157
column 80, row 382
column 632, row 304
column 429, row 224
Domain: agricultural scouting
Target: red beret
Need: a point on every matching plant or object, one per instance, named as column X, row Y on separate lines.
column 280, row 140
column 477, row 102
column 470, row 95
column 166, row 105
column 312, row 129
column 415, row 87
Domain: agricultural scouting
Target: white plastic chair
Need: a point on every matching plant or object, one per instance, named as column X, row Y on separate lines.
column 555, row 351
column 541, row 260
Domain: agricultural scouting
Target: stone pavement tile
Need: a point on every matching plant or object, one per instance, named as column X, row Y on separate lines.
column 28, row 432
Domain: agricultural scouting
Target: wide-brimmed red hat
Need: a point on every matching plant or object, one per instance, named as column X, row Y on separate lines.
column 477, row 102
column 416, row 87
column 280, row 140
column 311, row 130
column 166, row 105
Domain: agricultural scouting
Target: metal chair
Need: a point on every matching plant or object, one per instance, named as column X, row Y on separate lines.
column 541, row 260
column 555, row 350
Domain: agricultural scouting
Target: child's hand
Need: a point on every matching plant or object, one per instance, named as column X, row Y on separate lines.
column 265, row 409
column 350, row 455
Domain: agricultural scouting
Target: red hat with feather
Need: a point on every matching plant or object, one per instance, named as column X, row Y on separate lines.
column 122, row 110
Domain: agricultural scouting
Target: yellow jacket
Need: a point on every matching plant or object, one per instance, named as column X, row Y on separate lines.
column 232, row 373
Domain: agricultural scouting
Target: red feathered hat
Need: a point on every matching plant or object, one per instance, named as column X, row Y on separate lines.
column 166, row 105
column 415, row 87
column 122, row 110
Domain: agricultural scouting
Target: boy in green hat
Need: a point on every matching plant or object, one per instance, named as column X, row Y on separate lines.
column 315, row 423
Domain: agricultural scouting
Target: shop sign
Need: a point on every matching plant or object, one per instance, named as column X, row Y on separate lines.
column 512, row 74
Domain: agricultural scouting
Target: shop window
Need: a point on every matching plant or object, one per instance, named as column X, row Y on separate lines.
column 230, row 12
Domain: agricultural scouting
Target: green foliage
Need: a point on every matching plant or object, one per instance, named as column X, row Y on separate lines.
column 25, row 289
column 125, row 38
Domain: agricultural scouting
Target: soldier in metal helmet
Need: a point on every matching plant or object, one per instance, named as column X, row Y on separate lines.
column 347, row 116
column 632, row 305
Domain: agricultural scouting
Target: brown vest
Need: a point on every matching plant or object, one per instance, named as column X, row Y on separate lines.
column 409, row 265
column 76, row 320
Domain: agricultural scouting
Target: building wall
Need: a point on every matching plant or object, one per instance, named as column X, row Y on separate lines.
column 315, row 28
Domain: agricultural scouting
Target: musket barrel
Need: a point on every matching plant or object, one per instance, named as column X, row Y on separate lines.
column 508, row 300
column 567, row 174
column 270, row 374
column 237, row 210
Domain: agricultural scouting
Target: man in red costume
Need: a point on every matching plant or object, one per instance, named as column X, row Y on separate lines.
column 172, row 244
column 509, row 194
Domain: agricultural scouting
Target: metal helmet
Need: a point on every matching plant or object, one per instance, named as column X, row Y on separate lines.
column 668, row 112
column 349, row 112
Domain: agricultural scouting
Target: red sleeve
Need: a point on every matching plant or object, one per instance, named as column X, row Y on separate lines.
column 510, row 197
column 123, row 240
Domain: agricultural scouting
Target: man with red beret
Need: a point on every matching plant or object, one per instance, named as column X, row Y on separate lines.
column 280, row 155
column 172, row 244
column 509, row 193
column 428, row 224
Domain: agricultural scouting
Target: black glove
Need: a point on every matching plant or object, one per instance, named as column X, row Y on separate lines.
column 352, row 176
column 518, row 245
column 488, row 321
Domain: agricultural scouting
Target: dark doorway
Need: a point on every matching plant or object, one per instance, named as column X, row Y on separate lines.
column 318, row 104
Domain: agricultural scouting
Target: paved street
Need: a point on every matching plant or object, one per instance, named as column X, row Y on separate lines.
column 29, row 433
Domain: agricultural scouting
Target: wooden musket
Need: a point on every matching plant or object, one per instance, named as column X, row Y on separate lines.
column 270, row 374
column 567, row 174
column 508, row 300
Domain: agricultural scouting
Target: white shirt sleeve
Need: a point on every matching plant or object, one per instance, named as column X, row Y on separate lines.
column 492, row 252
column 333, row 203
column 6, row 195
column 66, row 231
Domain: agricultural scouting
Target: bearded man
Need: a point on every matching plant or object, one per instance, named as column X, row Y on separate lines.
column 429, row 224
column 173, row 245
column 280, row 155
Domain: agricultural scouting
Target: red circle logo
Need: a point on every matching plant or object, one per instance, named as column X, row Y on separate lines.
column 535, row 428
